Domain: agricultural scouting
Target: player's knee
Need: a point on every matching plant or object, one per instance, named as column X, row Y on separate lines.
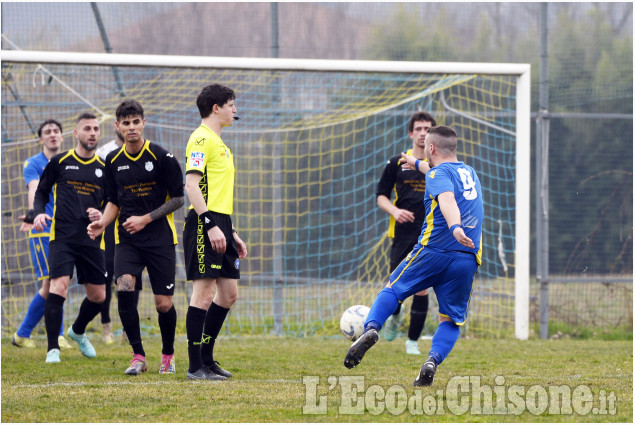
column 97, row 297
column 163, row 306
column 126, row 283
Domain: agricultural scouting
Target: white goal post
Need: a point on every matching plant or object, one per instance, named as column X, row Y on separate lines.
column 521, row 72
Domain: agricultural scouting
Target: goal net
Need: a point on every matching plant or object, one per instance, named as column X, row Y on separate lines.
column 309, row 149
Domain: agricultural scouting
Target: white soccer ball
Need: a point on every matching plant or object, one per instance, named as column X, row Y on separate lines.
column 352, row 321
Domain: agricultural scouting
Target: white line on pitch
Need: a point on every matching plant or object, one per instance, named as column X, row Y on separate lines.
column 82, row 384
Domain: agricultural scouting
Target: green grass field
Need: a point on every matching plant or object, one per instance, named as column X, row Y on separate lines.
column 272, row 383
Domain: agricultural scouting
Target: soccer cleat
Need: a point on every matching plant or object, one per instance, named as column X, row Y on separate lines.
column 167, row 364
column 18, row 341
column 389, row 331
column 106, row 333
column 204, row 374
column 356, row 353
column 137, row 365
column 53, row 356
column 63, row 343
column 412, row 348
column 217, row 370
column 85, row 346
column 426, row 374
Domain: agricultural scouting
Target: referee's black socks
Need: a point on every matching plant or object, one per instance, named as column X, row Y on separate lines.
column 194, row 322
column 53, row 316
column 213, row 323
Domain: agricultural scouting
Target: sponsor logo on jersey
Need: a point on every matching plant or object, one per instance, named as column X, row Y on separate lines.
column 72, row 167
column 237, row 264
column 197, row 159
column 123, row 167
column 200, row 140
column 169, row 155
column 98, row 172
column 149, row 166
column 432, row 173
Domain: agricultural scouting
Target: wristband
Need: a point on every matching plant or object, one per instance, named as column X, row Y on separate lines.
column 454, row 226
column 417, row 164
column 234, row 231
column 207, row 219
column 30, row 215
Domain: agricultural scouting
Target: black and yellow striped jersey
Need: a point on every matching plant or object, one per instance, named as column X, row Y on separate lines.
column 139, row 184
column 207, row 155
column 77, row 184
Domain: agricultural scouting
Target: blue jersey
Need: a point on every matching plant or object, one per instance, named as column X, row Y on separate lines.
column 461, row 179
column 32, row 170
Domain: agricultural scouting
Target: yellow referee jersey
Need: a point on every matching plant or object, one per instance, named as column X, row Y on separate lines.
column 207, row 155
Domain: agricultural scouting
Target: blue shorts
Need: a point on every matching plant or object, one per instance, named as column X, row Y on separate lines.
column 39, row 247
column 450, row 273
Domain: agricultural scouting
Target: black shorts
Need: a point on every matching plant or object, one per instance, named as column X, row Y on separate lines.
column 201, row 261
column 400, row 249
column 160, row 262
column 88, row 260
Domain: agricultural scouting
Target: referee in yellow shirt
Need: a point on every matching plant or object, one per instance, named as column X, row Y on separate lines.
column 212, row 247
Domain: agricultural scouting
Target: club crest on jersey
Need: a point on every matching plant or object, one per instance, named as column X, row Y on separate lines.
column 197, row 159
column 149, row 166
column 98, row 172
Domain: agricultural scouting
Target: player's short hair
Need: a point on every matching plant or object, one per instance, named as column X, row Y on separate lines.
column 129, row 108
column 47, row 122
column 444, row 138
column 85, row 116
column 214, row 94
column 420, row 116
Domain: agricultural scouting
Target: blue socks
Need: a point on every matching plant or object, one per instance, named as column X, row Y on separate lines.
column 383, row 307
column 443, row 340
column 33, row 315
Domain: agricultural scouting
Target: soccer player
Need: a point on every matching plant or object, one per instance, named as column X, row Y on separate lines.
column 77, row 176
column 109, row 242
column 407, row 213
column 50, row 134
column 446, row 257
column 212, row 248
column 144, row 186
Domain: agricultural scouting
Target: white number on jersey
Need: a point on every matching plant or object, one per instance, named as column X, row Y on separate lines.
column 468, row 184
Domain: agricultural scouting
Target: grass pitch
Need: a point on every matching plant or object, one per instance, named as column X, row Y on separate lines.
column 281, row 379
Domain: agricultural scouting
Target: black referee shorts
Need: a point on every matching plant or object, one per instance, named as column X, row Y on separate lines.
column 88, row 260
column 201, row 261
column 160, row 261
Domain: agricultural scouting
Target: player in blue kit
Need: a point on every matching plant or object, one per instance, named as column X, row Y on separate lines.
column 446, row 256
column 50, row 134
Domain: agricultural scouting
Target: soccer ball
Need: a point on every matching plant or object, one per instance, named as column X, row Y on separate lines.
column 352, row 321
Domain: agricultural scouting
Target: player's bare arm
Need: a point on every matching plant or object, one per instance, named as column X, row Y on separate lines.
column 32, row 188
column 97, row 227
column 400, row 215
column 137, row 223
column 242, row 247
column 424, row 167
column 194, row 194
column 452, row 215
